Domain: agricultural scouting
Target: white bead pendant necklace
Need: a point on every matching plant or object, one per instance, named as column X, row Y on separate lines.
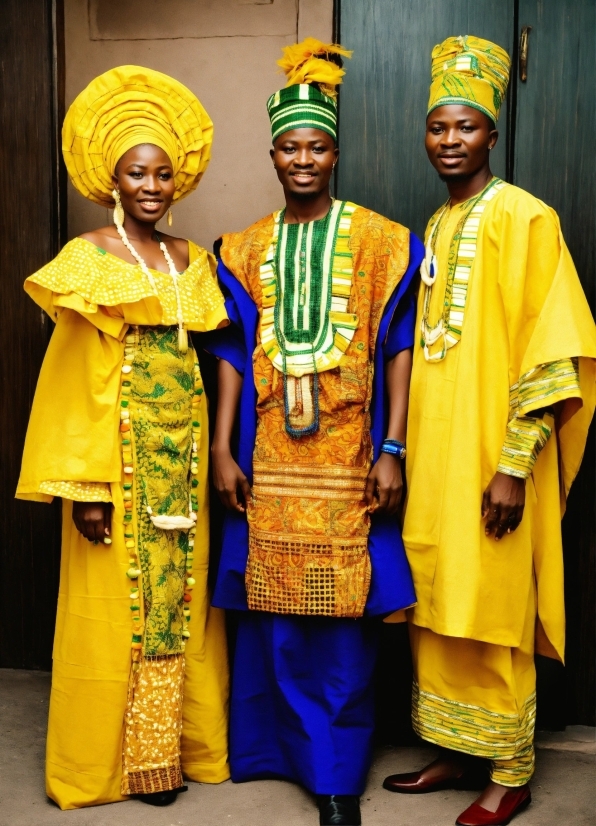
column 118, row 221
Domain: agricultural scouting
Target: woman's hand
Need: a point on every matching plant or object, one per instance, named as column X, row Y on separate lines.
column 230, row 483
column 503, row 504
column 385, row 484
column 93, row 519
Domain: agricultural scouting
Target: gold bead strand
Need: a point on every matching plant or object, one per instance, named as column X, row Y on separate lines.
column 133, row 573
column 182, row 334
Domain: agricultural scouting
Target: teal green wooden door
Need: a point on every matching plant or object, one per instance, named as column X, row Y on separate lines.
column 547, row 131
column 383, row 164
column 553, row 151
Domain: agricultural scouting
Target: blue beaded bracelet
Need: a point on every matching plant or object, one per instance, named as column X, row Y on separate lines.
column 394, row 448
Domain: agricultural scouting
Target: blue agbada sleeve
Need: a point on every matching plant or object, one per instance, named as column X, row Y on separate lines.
column 228, row 342
column 236, row 344
column 391, row 585
column 401, row 334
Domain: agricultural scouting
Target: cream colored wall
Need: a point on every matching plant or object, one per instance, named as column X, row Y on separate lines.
column 225, row 52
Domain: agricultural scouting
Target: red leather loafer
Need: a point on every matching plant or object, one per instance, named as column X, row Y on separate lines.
column 512, row 803
column 470, row 779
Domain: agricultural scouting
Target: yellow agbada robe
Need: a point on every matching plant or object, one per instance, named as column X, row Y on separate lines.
column 525, row 307
column 480, row 602
column 73, row 450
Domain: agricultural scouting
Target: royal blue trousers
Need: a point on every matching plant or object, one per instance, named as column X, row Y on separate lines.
column 302, row 705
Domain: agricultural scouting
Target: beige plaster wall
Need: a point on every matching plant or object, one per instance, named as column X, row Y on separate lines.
column 225, row 52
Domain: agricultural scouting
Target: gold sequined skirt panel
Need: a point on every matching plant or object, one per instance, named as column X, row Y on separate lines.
column 153, row 726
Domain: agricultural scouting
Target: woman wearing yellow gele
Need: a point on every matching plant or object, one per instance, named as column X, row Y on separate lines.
column 118, row 429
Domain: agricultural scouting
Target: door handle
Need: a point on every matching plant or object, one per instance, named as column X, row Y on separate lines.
column 523, row 53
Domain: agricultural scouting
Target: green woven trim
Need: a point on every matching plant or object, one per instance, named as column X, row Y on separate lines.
column 464, row 102
column 301, row 107
column 472, row 729
column 304, row 120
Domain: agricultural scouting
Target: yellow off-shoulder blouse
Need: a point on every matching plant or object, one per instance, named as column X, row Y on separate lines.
column 72, row 448
column 113, row 294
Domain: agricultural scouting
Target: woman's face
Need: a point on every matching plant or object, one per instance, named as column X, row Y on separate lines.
column 304, row 160
column 145, row 179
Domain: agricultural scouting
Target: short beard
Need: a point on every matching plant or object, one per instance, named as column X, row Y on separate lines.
column 453, row 179
column 306, row 196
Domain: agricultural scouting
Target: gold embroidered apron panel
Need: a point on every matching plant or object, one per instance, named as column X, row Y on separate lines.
column 161, row 386
column 308, row 546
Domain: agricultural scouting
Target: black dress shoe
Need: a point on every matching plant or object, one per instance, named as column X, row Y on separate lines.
column 339, row 809
column 161, row 798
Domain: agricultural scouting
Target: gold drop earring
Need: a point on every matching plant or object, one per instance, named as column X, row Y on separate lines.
column 170, row 219
column 118, row 211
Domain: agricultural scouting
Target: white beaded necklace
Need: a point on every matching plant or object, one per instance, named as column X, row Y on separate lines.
column 118, row 221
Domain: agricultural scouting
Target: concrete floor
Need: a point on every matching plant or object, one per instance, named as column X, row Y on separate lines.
column 563, row 789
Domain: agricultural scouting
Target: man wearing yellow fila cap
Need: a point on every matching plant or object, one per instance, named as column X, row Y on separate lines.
column 502, row 395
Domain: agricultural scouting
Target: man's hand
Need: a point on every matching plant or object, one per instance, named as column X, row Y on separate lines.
column 230, row 483
column 503, row 504
column 93, row 519
column 385, row 484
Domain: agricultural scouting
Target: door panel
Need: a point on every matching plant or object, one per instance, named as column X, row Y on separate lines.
column 383, row 164
column 29, row 532
column 555, row 125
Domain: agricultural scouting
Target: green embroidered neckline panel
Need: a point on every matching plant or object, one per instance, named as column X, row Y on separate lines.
column 306, row 281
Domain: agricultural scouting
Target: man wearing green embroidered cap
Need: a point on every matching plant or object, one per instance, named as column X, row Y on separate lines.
column 502, row 395
column 318, row 359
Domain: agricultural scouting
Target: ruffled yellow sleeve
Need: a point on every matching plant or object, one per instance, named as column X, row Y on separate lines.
column 113, row 294
column 108, row 292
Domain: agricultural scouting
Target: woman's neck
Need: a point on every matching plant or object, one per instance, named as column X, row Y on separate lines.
column 141, row 231
column 301, row 209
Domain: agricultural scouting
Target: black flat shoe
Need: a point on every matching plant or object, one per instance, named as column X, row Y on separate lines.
column 161, row 798
column 339, row 809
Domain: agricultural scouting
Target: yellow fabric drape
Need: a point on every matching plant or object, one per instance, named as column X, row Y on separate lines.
column 91, row 667
column 72, row 437
column 525, row 307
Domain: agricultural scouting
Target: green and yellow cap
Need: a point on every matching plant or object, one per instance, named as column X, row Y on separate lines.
column 470, row 71
column 309, row 99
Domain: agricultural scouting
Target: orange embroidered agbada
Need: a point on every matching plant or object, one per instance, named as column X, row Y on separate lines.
column 308, row 522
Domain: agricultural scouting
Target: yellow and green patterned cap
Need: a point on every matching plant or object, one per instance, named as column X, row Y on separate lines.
column 469, row 71
column 302, row 106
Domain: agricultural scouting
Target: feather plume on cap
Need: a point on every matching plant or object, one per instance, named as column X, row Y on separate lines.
column 313, row 62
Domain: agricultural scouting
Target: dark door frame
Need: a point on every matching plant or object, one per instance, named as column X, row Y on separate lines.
column 33, row 180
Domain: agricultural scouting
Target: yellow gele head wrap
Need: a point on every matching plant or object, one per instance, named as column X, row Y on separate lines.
column 125, row 107
column 470, row 71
